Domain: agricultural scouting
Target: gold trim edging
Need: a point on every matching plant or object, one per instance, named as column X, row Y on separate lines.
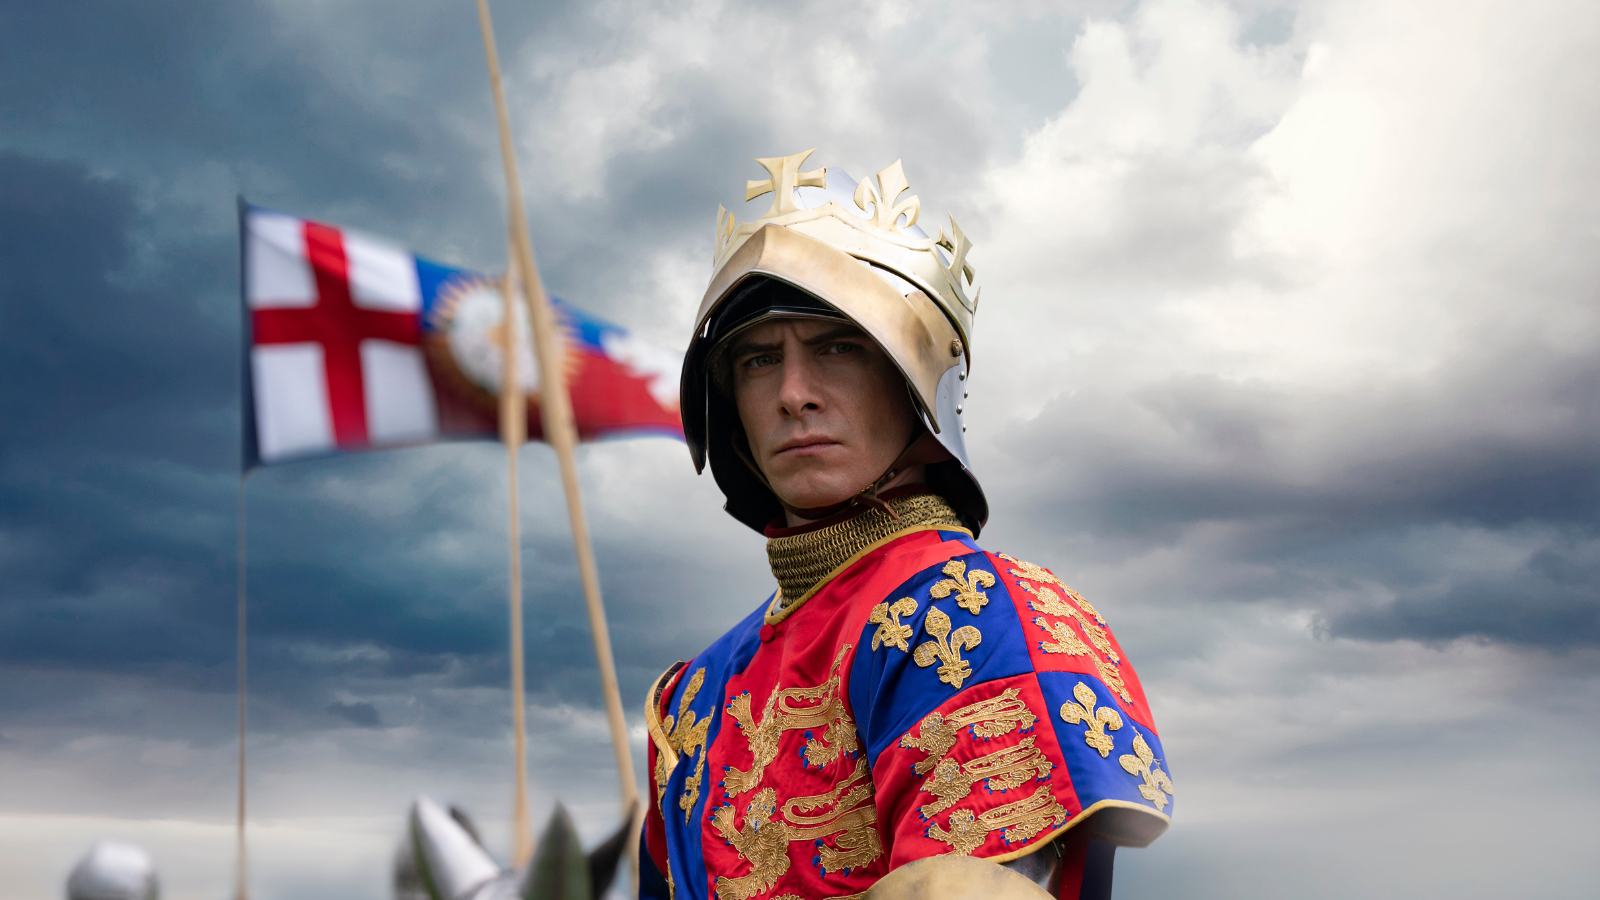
column 652, row 716
column 1040, row 843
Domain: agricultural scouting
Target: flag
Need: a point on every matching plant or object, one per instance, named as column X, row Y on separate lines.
column 356, row 343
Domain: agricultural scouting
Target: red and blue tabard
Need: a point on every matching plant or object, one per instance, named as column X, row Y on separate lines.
column 927, row 697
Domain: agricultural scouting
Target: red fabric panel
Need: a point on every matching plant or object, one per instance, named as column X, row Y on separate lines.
column 1138, row 709
column 901, row 796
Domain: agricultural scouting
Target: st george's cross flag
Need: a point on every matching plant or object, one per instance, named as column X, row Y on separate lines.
column 355, row 343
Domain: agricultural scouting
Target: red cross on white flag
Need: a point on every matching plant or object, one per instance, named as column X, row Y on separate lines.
column 336, row 360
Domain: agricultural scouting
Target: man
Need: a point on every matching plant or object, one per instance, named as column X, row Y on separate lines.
column 903, row 694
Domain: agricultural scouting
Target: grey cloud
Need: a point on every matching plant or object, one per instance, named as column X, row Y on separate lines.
column 1343, row 494
column 359, row 713
column 1550, row 600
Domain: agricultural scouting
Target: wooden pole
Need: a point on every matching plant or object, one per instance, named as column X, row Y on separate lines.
column 241, row 886
column 514, row 432
column 555, row 407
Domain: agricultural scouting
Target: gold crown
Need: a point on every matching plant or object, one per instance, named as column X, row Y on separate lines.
column 874, row 233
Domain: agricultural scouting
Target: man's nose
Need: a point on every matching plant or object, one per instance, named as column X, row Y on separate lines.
column 799, row 393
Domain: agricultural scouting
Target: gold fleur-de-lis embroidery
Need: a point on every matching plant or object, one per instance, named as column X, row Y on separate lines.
column 1021, row 821
column 687, row 737
column 946, row 647
column 887, row 617
column 989, row 718
column 1000, row 771
column 964, row 585
column 1084, row 713
column 1143, row 764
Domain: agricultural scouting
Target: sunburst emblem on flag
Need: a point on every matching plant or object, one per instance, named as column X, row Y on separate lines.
column 468, row 338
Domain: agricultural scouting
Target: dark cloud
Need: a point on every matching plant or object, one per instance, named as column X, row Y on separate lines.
column 1370, row 495
column 1550, row 600
column 360, row 714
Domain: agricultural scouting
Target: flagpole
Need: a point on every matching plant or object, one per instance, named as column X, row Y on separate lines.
column 514, row 432
column 559, row 430
column 241, row 881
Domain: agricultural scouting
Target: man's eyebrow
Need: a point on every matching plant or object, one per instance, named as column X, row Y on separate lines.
column 744, row 348
column 843, row 331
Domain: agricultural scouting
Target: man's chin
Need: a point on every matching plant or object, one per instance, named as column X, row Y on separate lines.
column 815, row 497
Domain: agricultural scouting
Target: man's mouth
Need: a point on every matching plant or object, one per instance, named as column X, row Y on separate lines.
column 801, row 446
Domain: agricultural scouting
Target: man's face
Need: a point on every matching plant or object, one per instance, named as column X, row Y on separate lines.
column 825, row 410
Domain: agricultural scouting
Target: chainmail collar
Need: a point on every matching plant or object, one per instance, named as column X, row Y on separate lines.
column 803, row 563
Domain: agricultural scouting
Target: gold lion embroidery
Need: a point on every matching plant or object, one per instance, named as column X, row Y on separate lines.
column 946, row 647
column 788, row 710
column 852, row 815
column 1021, row 821
column 1050, row 603
column 989, row 718
column 1142, row 763
column 1084, row 713
column 686, row 736
column 763, row 842
column 1053, row 601
column 1038, row 575
column 964, row 585
column 1000, row 771
column 887, row 617
column 847, row 813
column 1064, row 640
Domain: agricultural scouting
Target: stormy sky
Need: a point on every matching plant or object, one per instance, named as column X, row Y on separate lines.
column 1287, row 358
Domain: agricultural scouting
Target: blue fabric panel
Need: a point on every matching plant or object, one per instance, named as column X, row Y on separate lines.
column 652, row 884
column 1093, row 777
column 889, row 692
column 431, row 277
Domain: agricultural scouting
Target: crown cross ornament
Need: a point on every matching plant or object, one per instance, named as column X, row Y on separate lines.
column 786, row 176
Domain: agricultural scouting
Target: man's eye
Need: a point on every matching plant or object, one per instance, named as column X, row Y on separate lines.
column 840, row 347
column 760, row 362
